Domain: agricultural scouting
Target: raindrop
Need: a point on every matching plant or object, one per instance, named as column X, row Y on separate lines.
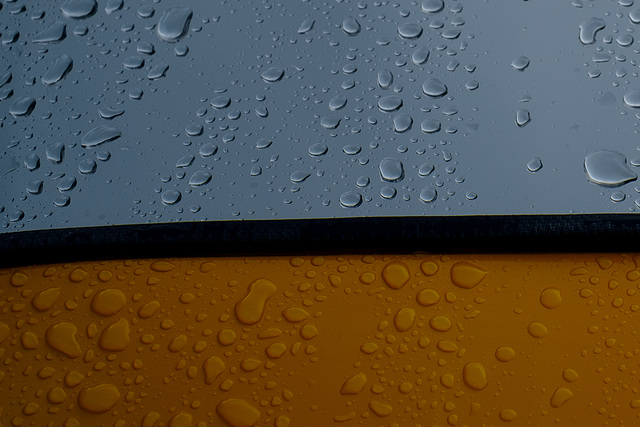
column 262, row 111
column 625, row 40
column 351, row 26
column 330, row 122
column 420, row 55
column 103, row 155
column 632, row 98
column 136, row 94
column 220, row 102
column 133, row 62
column 79, row 9
column 351, row 150
column 208, row 150
column 390, row 103
column 200, row 178
column 181, row 49
column 451, row 34
column 410, row 31
column 618, row 196
column 194, row 129
column 318, row 149
column 391, row 169
column 634, row 16
column 61, row 201
column 108, row 113
column 523, row 117
column 61, row 67
column 363, row 181
column 256, row 170
column 263, row 143
column 432, row 6
column 35, row 186
column 385, row 79
column 434, row 88
column 272, row 75
column 55, row 152
column 351, row 199
column 430, row 126
column 589, row 28
column 299, row 176
column 146, row 48
column 87, row 166
column 22, row 106
column 6, row 78
column 402, row 123
column 185, row 161
column 174, row 24
column 67, row 183
column 388, row 192
column 146, row 11
column 100, row 135
column 16, row 216
column 54, row 34
column 534, row 164
column 470, row 195
column 32, row 162
column 337, row 102
column 520, row 63
column 306, row 26
column 426, row 169
column 158, row 71
column 113, row 6
column 428, row 194
column 10, row 37
column 171, row 197
column 608, row 168
column 471, row 85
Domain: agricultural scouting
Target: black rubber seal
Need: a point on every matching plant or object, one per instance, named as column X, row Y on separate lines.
column 457, row 234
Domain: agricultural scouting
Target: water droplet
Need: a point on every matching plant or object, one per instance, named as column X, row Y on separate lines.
column 505, row 354
column 100, row 135
column 299, row 176
column 220, row 102
column 67, row 183
column 634, row 16
column 61, row 67
column 466, row 275
column 87, row 166
column 380, row 409
column 624, row 40
column 409, row 31
column 428, row 297
column 391, row 169
column 99, row 399
column 388, row 192
column 337, row 102
column 618, row 196
column 62, row 337
column 351, row 199
column 61, row 201
column 200, row 178
column 534, row 164
column 35, row 186
column 208, row 150
column 608, row 168
column 430, row 126
column 434, row 88
column 108, row 113
column 272, row 75
column 404, row 319
column 158, row 71
column 396, row 274
column 306, row 26
column 508, row 415
column 250, row 309
column 520, row 63
column 420, row 55
column 432, row 6
column 174, row 23
column 589, row 29
column 560, row 397
column 551, row 298
column 523, row 117
column 213, row 367
column 79, row 9
column 632, row 98
column 55, row 33
column 23, row 107
column 402, row 123
column 569, row 375
column 171, row 197
column 385, row 79
column 32, row 162
column 351, row 26
column 238, row 413
column 537, row 330
column 428, row 194
column 115, row 337
column 390, row 103
column 440, row 323
column 355, row 384
column 474, row 375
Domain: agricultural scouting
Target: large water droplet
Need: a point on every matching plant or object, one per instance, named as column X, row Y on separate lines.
column 171, row 197
column 391, row 169
column 113, row 6
column 109, row 113
column 390, row 103
column 100, row 135
column 428, row 194
column 158, row 71
column 337, row 102
column 200, row 178
column 306, row 26
column 608, row 168
column 318, row 149
column 523, row 117
column 534, row 164
column 299, row 176
column 22, row 107
column 385, row 79
column 426, row 169
column 402, row 123
column 420, row 55
column 79, row 9
column 632, row 98
column 272, row 75
column 434, row 88
column 520, row 63
column 351, row 26
column 133, row 62
column 54, row 34
column 61, row 67
column 430, row 126
column 432, row 6
column 634, row 16
column 589, row 28
column 87, row 166
column 220, row 102
column 351, row 199
column 174, row 23
column 409, row 31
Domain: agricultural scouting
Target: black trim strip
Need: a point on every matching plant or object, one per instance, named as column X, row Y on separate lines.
column 516, row 233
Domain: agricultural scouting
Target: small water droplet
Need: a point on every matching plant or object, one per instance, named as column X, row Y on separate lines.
column 520, row 63
column 200, row 178
column 534, row 164
column 171, row 197
column 523, row 117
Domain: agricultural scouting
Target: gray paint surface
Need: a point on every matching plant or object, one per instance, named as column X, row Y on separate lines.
column 129, row 94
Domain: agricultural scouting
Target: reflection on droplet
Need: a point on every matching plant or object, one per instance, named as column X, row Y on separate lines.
column 61, row 67
column 174, row 23
column 100, row 135
column 272, row 75
column 351, row 199
column 391, row 169
column 589, row 29
column 608, row 168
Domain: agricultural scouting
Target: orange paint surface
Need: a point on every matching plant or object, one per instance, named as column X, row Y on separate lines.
column 460, row 340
